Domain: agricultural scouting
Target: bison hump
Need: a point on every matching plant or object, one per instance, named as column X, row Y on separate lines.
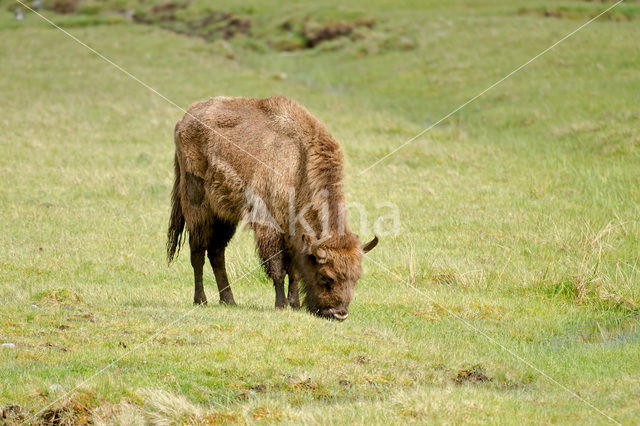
column 226, row 119
column 214, row 113
column 289, row 117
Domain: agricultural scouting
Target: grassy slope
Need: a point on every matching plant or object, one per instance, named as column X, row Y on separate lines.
column 508, row 210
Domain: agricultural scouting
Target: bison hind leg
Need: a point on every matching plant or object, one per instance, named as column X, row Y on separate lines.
column 197, row 263
column 210, row 236
column 221, row 234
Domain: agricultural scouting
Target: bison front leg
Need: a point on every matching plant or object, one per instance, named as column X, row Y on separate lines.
column 270, row 244
column 293, row 295
column 281, row 299
column 274, row 266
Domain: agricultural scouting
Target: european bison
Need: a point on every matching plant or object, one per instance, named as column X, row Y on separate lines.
column 273, row 164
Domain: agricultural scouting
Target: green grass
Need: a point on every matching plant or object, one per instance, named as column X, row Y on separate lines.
column 519, row 217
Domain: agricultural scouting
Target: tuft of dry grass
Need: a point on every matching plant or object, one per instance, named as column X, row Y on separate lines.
column 596, row 279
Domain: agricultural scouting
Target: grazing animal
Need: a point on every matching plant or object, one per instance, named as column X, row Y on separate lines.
column 273, row 164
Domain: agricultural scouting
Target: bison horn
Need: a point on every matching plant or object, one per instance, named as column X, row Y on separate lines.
column 320, row 255
column 311, row 246
column 370, row 245
column 318, row 252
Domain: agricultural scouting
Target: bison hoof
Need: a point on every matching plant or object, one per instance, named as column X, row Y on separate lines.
column 200, row 300
column 227, row 302
column 295, row 304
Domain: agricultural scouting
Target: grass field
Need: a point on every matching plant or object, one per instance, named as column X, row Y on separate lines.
column 509, row 294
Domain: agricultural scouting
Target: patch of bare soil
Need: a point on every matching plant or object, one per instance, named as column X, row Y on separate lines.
column 215, row 24
column 259, row 388
column 315, row 33
column 474, row 374
column 362, row 359
column 309, row 33
column 359, row 33
column 11, row 414
column 165, row 12
column 64, row 6
column 304, row 384
column 72, row 411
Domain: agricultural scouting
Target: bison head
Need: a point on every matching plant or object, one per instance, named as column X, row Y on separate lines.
column 330, row 268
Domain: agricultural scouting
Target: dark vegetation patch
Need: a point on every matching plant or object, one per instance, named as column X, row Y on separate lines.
column 210, row 25
column 292, row 33
column 583, row 10
column 70, row 411
column 477, row 375
column 11, row 413
column 259, row 388
column 50, row 345
column 64, row 6
column 308, row 32
column 362, row 359
column 326, row 27
column 304, row 384
column 473, row 374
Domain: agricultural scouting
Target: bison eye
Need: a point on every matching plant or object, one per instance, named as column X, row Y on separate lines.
column 326, row 282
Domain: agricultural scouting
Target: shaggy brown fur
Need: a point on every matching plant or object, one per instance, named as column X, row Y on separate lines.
column 239, row 157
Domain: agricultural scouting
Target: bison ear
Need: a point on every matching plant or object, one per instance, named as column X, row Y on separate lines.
column 307, row 243
column 311, row 247
column 370, row 245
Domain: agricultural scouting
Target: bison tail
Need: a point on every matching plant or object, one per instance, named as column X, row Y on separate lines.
column 176, row 221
